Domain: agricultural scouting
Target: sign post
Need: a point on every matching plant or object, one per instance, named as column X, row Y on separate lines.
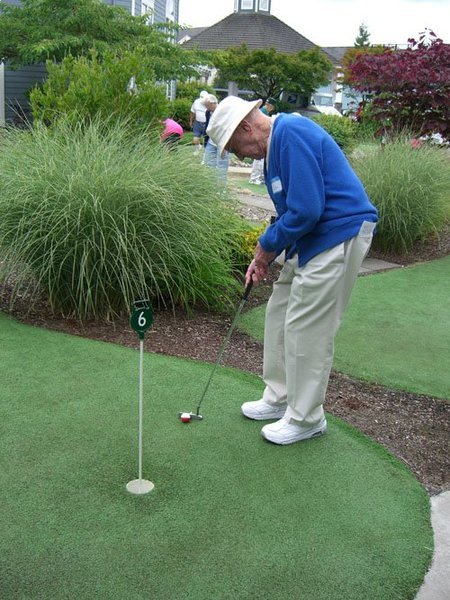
column 141, row 319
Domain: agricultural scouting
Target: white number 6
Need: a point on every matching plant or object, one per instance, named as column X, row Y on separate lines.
column 142, row 320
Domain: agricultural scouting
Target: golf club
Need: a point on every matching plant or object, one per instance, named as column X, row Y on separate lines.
column 186, row 417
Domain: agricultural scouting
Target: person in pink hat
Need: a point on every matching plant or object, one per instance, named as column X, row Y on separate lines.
column 324, row 225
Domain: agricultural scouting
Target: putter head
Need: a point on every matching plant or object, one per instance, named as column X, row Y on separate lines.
column 192, row 416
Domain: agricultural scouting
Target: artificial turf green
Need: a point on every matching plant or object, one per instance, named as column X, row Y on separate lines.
column 396, row 331
column 231, row 516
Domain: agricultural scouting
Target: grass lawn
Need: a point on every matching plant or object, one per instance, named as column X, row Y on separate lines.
column 231, row 516
column 240, row 182
column 396, row 331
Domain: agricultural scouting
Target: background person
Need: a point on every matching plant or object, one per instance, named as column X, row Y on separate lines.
column 212, row 157
column 172, row 133
column 325, row 222
column 257, row 172
column 197, row 119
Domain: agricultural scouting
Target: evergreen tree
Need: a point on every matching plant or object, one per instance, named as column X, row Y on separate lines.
column 363, row 38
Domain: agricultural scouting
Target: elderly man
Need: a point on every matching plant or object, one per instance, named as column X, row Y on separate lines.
column 325, row 225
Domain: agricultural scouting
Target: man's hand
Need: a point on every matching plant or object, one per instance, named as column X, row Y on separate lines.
column 259, row 267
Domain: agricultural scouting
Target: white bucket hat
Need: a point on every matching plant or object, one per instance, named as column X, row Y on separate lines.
column 225, row 119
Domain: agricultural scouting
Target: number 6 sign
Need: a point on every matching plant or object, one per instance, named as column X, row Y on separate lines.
column 141, row 318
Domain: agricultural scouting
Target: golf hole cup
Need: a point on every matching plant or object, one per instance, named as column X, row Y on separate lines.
column 185, row 417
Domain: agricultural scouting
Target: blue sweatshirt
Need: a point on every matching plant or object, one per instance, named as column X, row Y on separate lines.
column 319, row 200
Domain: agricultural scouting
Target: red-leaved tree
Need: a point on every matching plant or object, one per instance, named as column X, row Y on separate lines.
column 410, row 88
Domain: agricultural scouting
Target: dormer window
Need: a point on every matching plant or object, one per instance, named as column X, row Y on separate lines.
column 252, row 6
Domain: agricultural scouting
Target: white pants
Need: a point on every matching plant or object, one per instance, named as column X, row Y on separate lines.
column 303, row 315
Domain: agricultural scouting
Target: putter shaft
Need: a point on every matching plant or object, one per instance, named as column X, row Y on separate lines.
column 225, row 342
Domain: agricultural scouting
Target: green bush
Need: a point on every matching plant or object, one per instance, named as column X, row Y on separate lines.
column 368, row 129
column 96, row 218
column 179, row 110
column 85, row 87
column 247, row 241
column 410, row 188
column 342, row 129
column 191, row 90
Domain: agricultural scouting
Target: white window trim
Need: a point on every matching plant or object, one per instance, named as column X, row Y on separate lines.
column 252, row 7
column 170, row 10
column 148, row 8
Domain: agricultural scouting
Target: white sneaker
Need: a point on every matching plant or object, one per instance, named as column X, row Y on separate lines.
column 282, row 432
column 260, row 410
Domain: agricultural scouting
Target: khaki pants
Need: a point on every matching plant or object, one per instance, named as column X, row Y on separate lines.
column 303, row 315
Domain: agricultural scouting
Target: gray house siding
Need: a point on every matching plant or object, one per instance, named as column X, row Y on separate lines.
column 15, row 85
column 125, row 4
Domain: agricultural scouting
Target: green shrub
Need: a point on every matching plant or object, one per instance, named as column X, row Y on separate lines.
column 179, row 110
column 368, row 129
column 342, row 129
column 85, row 87
column 96, row 218
column 191, row 90
column 410, row 188
column 247, row 241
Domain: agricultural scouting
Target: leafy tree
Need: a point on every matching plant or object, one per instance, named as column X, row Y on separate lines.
column 363, row 38
column 352, row 54
column 410, row 88
column 269, row 73
column 83, row 87
column 39, row 30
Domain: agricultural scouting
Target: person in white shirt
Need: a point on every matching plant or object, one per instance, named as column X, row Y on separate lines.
column 197, row 119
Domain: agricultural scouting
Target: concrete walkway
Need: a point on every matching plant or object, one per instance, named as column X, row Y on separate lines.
column 370, row 265
column 436, row 585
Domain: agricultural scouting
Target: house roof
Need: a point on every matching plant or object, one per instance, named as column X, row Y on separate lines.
column 336, row 53
column 256, row 30
column 186, row 34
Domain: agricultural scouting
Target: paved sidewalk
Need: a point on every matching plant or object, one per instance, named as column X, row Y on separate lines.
column 370, row 265
column 436, row 585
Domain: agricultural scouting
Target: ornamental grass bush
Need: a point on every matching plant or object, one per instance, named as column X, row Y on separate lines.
column 95, row 218
column 411, row 189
